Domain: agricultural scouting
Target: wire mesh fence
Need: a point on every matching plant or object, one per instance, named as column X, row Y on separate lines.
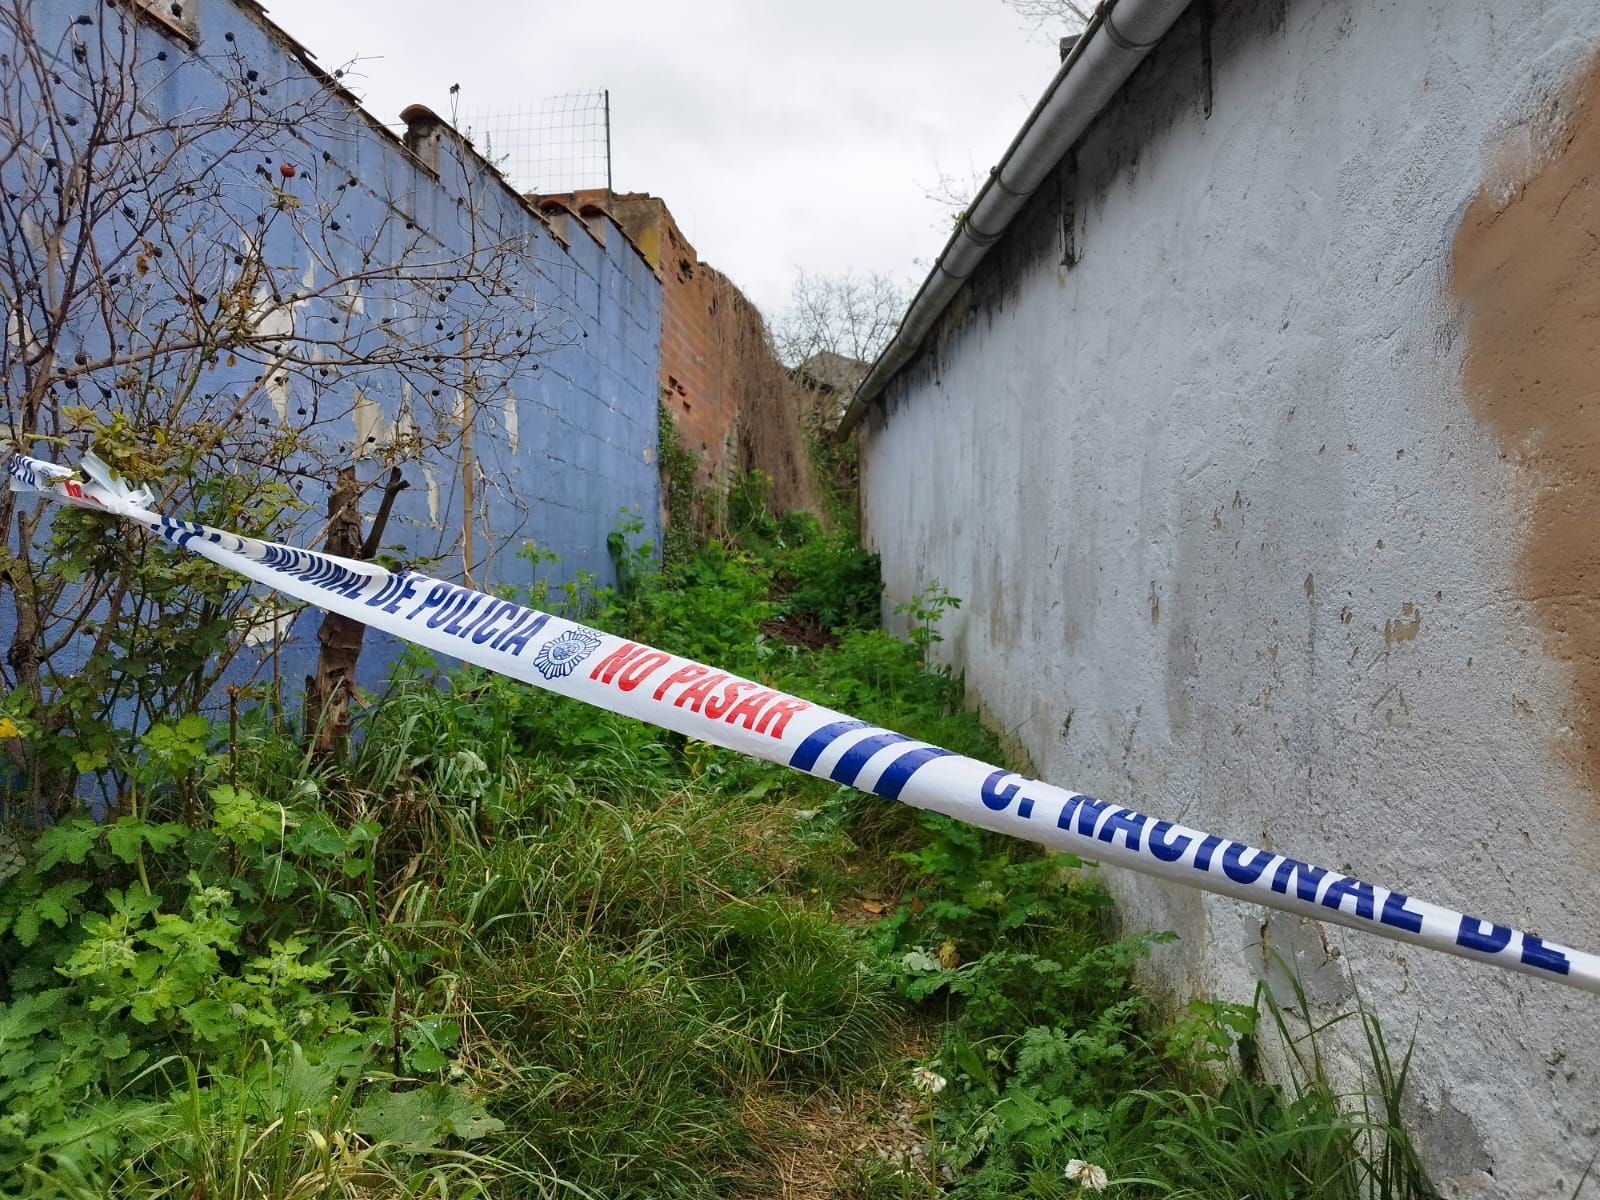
column 560, row 144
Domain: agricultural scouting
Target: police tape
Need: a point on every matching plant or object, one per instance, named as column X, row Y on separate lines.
column 740, row 714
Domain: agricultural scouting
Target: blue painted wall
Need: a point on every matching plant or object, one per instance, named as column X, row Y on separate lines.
column 560, row 444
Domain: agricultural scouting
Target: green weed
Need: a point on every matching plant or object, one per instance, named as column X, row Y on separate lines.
column 516, row 946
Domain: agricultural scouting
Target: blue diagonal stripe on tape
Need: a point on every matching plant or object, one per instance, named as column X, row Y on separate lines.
column 848, row 767
column 806, row 755
column 897, row 773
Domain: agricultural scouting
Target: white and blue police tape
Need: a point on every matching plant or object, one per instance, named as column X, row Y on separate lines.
column 740, row 714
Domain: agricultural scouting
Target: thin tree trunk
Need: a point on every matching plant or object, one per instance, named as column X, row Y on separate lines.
column 339, row 638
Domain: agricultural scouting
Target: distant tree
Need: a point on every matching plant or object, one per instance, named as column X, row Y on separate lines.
column 1056, row 17
column 954, row 193
column 181, row 288
column 850, row 315
column 833, row 328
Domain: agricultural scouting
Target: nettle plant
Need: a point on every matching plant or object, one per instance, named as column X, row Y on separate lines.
column 196, row 288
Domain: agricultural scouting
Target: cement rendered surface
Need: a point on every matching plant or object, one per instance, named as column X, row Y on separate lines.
column 1252, row 531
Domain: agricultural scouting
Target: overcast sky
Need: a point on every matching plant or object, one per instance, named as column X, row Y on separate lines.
column 783, row 135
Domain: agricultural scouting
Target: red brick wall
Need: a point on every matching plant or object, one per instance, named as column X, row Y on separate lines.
column 706, row 414
column 730, row 398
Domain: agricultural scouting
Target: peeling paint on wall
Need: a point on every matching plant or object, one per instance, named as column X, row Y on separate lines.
column 433, row 496
column 368, row 420
column 1526, row 264
column 270, row 621
column 1404, row 627
column 275, row 318
column 508, row 418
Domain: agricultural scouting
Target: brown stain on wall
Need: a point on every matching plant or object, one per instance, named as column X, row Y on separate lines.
column 1526, row 266
column 1403, row 628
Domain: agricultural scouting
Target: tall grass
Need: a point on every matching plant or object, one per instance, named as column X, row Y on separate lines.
column 536, row 950
column 619, row 938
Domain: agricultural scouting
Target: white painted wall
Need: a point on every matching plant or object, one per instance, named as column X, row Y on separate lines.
column 1197, row 490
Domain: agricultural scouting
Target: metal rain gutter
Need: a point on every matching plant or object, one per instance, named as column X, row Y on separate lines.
column 1116, row 41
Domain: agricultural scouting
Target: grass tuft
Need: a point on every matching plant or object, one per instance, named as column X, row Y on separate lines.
column 516, row 947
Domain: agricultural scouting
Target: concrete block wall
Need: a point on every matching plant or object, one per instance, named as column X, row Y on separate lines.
column 731, row 401
column 560, row 445
column 705, row 414
column 1260, row 451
